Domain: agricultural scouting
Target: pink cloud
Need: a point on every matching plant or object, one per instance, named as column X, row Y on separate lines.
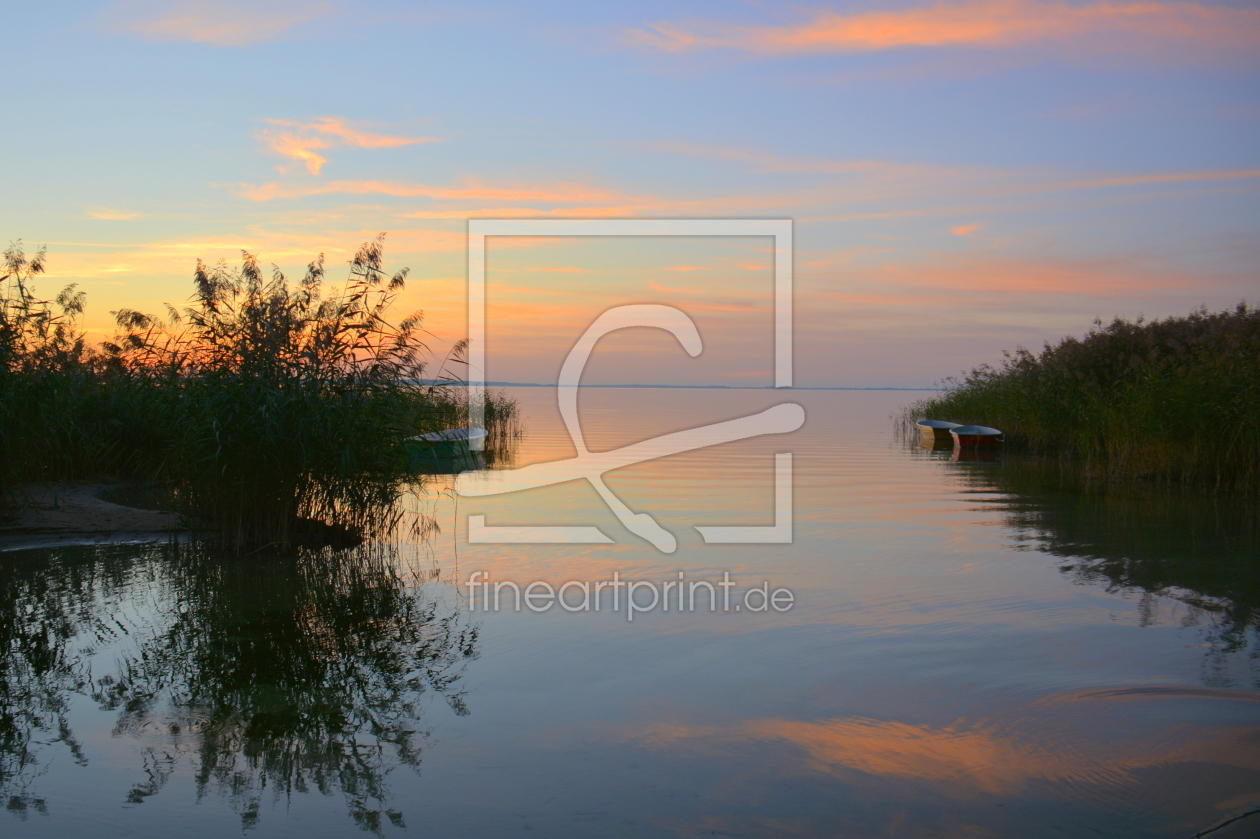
column 559, row 193
column 300, row 140
column 108, row 214
column 217, row 23
column 972, row 23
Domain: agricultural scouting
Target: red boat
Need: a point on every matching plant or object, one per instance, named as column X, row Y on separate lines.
column 976, row 437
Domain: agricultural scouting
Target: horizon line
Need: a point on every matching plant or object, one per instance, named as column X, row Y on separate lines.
column 680, row 387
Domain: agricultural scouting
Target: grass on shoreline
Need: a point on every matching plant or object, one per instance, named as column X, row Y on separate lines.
column 1174, row 400
column 275, row 412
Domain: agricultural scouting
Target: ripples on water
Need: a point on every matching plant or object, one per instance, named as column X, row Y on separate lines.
column 976, row 649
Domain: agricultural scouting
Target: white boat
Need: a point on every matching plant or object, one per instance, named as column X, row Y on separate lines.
column 452, row 442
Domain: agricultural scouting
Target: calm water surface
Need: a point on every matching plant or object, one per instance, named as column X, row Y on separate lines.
column 975, row 649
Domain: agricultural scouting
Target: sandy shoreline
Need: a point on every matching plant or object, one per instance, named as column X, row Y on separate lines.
column 60, row 515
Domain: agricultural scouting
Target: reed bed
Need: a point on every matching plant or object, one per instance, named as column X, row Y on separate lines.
column 274, row 412
column 1174, row 400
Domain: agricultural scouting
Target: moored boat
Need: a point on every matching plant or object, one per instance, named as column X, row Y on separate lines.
column 935, row 429
column 931, row 444
column 453, row 442
column 975, row 436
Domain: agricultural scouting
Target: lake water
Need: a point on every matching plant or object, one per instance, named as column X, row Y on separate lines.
column 972, row 649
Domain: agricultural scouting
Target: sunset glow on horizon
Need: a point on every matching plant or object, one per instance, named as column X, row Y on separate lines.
column 964, row 177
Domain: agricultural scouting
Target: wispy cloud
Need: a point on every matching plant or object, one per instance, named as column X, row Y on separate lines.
column 297, row 147
column 655, row 286
column 981, row 194
column 108, row 214
column 552, row 193
column 1003, row 280
column 302, row 141
column 1159, row 178
column 972, row 23
column 761, row 161
column 605, row 211
column 339, row 128
column 220, row 24
column 964, row 229
column 153, row 264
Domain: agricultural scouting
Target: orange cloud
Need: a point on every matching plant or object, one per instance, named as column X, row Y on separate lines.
column 106, row 214
column 338, row 127
column 363, row 139
column 655, row 286
column 176, row 258
column 964, row 229
column 523, row 212
column 298, row 148
column 972, row 23
column 558, row 193
column 220, row 24
column 299, row 140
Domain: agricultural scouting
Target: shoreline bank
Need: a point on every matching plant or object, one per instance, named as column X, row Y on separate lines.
column 62, row 515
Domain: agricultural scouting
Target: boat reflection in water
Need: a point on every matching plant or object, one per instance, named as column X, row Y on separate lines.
column 986, row 455
column 450, row 464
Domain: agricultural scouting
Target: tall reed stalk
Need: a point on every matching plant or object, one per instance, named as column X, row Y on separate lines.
column 42, row 371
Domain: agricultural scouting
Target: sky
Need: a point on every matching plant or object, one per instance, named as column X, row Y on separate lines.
column 963, row 177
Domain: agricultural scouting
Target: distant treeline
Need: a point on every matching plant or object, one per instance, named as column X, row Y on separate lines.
column 1175, row 400
column 270, row 411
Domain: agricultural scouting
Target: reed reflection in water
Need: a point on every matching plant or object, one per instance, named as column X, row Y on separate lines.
column 270, row 675
column 1165, row 543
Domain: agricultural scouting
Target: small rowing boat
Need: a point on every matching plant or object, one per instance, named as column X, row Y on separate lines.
column 935, row 429
column 449, row 443
column 975, row 436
